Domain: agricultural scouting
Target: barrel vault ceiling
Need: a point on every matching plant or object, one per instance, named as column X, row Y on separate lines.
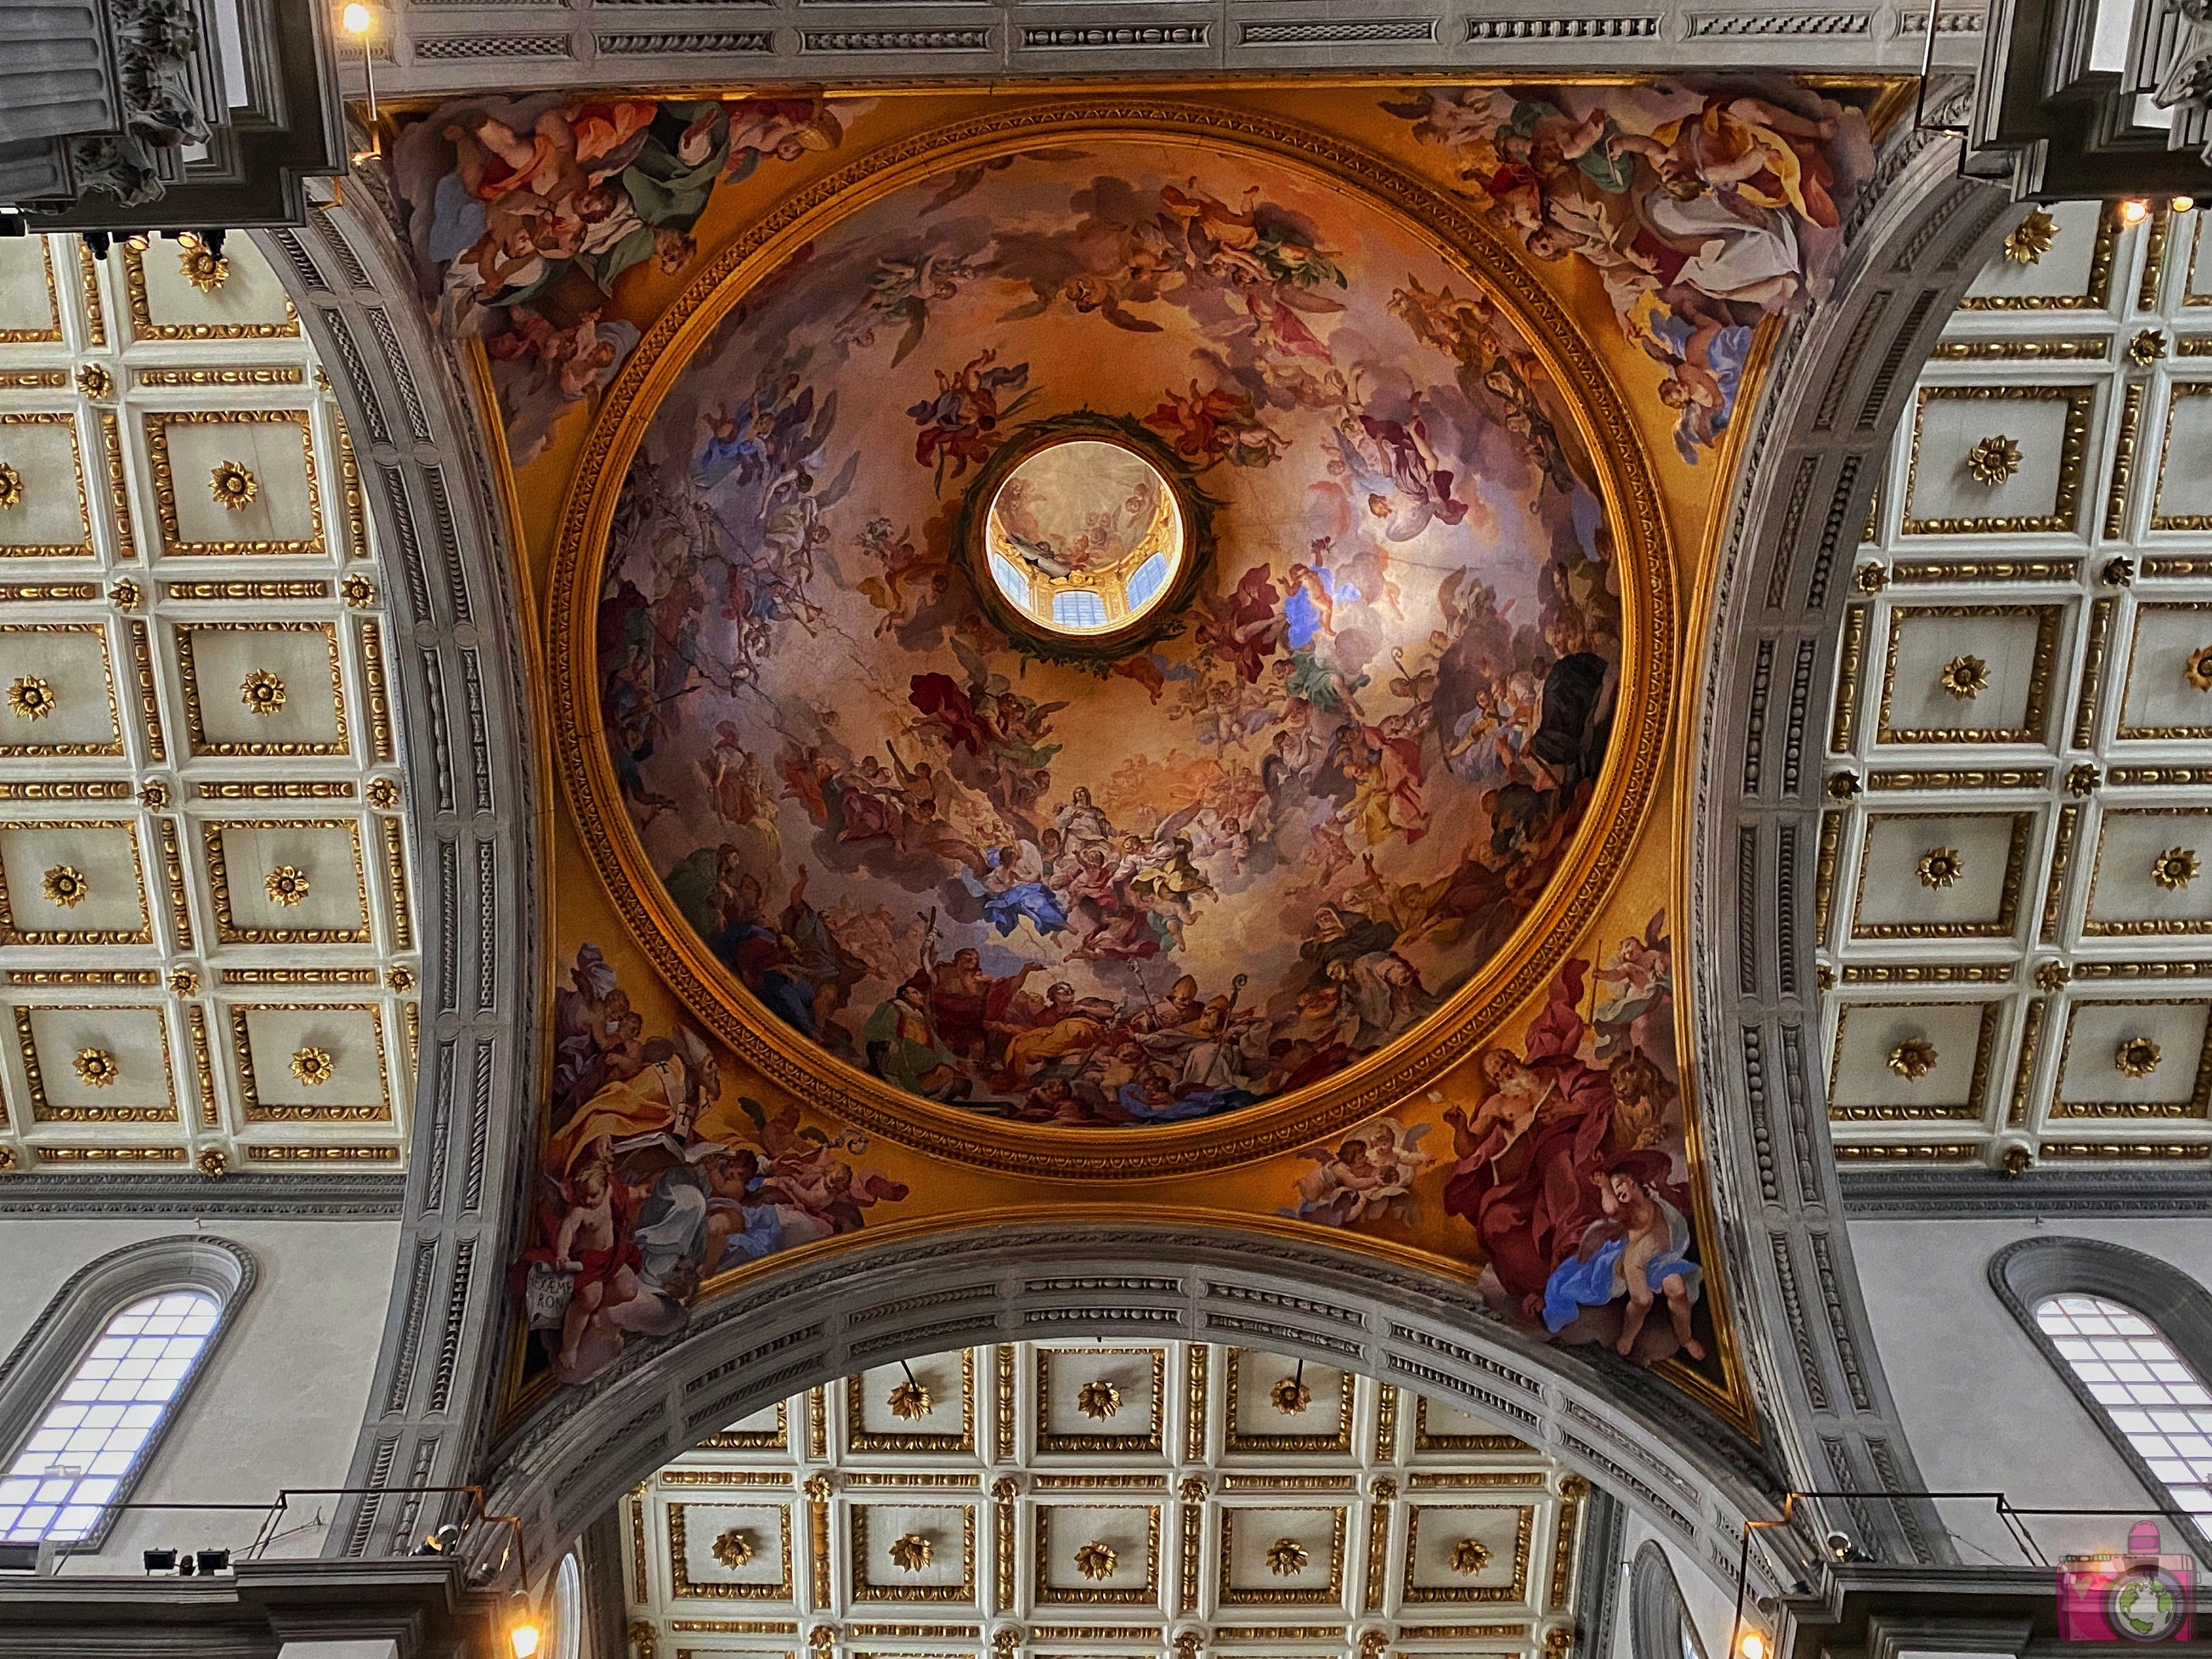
column 2015, row 870
column 207, row 948
column 1103, row 1500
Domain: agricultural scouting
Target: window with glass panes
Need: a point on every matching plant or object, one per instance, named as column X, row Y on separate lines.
column 2153, row 1395
column 104, row 1421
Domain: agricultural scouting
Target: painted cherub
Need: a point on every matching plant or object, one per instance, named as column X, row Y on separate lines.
column 1638, row 1248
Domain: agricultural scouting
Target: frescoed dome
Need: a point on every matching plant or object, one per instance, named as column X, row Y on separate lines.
column 1109, row 637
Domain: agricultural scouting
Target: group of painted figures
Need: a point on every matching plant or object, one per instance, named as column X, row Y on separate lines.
column 1571, row 1168
column 654, row 1179
column 1701, row 211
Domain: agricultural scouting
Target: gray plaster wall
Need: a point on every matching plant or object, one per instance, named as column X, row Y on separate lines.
column 1983, row 1408
column 279, row 1402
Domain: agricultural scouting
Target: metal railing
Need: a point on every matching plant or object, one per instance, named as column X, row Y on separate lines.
column 2182, row 1533
column 491, row 1543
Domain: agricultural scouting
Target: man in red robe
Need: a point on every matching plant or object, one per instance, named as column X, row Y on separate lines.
column 965, row 1002
column 1525, row 1162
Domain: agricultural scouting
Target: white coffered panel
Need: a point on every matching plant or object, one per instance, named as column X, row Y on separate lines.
column 1098, row 1499
column 207, row 950
column 2014, row 901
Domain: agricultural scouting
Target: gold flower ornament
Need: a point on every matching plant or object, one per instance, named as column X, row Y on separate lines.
column 2174, row 868
column 97, row 1068
column 1941, row 866
column 1469, row 1556
column 2031, row 238
column 910, row 1552
column 262, row 692
column 1992, row 460
column 233, row 486
column 734, row 1549
column 32, row 698
column 1913, row 1058
column 909, row 1399
column 202, row 266
column 64, row 886
column 2136, row 1057
column 1098, row 1399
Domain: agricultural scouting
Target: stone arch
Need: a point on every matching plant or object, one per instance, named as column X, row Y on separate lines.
column 465, row 714
column 1763, row 666
column 893, row 1298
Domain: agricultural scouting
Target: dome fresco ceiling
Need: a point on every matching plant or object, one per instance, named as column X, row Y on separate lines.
column 1185, row 878
column 1323, row 894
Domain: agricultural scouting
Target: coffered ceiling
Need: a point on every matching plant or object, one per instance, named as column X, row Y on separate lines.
column 2015, row 869
column 207, row 945
column 1100, row 1499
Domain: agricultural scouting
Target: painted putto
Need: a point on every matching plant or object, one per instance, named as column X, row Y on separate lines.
column 1701, row 208
column 1173, row 883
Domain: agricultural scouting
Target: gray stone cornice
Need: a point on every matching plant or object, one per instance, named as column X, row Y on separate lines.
column 277, row 1198
column 434, row 49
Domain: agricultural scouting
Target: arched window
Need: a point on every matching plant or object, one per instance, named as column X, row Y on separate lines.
column 1014, row 585
column 99, row 1427
column 1658, row 1625
column 86, row 1395
column 566, row 1606
column 2151, row 1394
column 2132, row 1336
